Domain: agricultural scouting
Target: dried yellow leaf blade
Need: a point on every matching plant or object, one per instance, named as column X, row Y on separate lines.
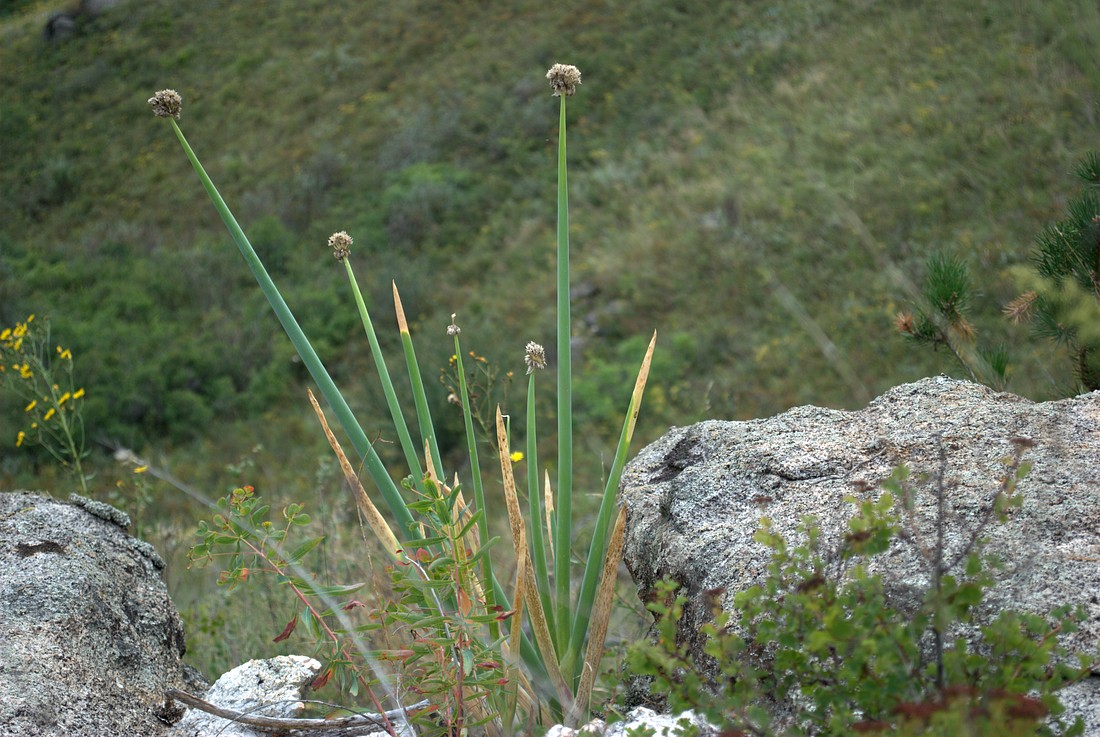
column 543, row 641
column 601, row 615
column 511, row 498
column 517, row 600
column 402, row 325
column 548, row 498
column 375, row 520
column 639, row 386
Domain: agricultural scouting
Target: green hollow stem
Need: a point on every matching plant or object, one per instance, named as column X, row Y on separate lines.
column 565, row 405
column 359, row 440
column 535, row 528
column 479, row 491
column 412, row 453
column 420, row 398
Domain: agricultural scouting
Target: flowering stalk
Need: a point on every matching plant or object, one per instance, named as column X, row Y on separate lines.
column 559, row 75
column 535, row 359
column 341, row 244
column 167, row 104
column 43, row 379
column 475, row 476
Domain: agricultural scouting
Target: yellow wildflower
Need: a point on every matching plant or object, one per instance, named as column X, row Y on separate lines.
column 141, row 469
column 32, row 405
column 20, row 330
column 516, row 457
column 64, row 353
column 78, row 393
column 49, row 414
column 30, row 318
column 6, row 334
column 64, row 398
column 20, row 438
column 24, row 371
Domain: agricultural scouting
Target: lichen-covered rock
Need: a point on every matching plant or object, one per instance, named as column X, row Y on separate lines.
column 694, row 498
column 89, row 639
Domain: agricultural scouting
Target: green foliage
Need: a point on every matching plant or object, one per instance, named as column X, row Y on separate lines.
column 941, row 320
column 819, row 639
column 254, row 546
column 1064, row 305
column 754, row 147
column 1062, row 301
column 426, row 635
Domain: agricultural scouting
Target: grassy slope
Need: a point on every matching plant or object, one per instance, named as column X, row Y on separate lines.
column 759, row 183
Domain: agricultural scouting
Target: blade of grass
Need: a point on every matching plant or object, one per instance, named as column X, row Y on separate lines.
column 407, row 444
column 359, row 441
column 607, row 506
column 420, row 398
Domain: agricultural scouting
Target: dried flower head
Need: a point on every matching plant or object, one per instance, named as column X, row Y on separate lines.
column 1020, row 309
column 965, row 329
column 535, row 358
column 166, row 104
column 453, row 329
column 564, row 78
column 904, row 323
column 340, row 243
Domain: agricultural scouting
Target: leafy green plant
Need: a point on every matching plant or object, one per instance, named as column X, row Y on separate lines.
column 435, row 525
column 41, row 375
column 254, row 545
column 942, row 320
column 819, row 638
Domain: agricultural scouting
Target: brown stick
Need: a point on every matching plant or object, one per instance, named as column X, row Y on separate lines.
column 279, row 724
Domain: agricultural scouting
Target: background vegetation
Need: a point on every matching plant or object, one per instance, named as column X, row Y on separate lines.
column 761, row 182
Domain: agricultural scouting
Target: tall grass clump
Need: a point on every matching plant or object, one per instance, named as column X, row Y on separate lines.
column 472, row 658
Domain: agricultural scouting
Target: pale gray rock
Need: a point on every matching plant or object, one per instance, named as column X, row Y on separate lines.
column 89, row 639
column 695, row 497
column 270, row 688
column 640, row 720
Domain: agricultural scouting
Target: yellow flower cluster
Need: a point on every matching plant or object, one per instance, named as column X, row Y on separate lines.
column 26, row 369
column 12, row 338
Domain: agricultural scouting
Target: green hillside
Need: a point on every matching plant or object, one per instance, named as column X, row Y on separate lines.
column 760, row 182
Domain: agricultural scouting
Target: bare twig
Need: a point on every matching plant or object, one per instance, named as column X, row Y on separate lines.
column 281, row 724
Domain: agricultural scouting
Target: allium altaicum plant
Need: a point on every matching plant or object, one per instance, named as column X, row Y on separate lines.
column 441, row 539
column 41, row 375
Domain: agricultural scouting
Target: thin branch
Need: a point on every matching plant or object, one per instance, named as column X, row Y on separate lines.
column 281, row 724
